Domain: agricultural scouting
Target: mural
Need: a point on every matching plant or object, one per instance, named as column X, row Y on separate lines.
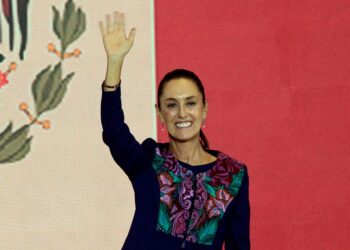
column 49, row 86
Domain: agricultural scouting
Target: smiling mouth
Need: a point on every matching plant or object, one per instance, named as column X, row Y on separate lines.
column 183, row 124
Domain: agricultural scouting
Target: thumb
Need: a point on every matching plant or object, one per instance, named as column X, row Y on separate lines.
column 131, row 35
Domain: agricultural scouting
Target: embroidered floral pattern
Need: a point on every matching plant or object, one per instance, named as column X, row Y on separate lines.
column 191, row 206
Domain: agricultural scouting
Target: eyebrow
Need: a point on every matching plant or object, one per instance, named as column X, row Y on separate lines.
column 174, row 99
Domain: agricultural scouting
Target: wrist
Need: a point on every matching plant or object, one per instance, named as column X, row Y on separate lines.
column 115, row 60
column 110, row 87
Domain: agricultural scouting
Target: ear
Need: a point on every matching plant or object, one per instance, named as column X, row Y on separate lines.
column 159, row 113
column 205, row 109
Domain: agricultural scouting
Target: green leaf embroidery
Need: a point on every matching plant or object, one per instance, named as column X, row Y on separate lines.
column 22, row 152
column 207, row 179
column 13, row 143
column 69, row 20
column 57, row 24
column 50, row 88
column 163, row 218
column 5, row 134
column 236, row 182
column 176, row 179
column 60, row 92
column 210, row 189
column 157, row 162
column 207, row 232
column 38, row 87
column 79, row 28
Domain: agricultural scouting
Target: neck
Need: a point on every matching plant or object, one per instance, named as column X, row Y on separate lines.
column 190, row 152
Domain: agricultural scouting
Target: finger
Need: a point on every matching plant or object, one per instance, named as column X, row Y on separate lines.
column 115, row 15
column 122, row 24
column 109, row 23
column 102, row 28
column 122, row 20
column 131, row 36
column 119, row 20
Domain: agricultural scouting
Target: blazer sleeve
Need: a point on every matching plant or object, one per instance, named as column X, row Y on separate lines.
column 125, row 150
column 238, row 237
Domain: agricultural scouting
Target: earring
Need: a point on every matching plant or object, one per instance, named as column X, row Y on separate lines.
column 162, row 127
column 203, row 123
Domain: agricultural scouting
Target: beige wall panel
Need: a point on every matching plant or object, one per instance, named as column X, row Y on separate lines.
column 68, row 193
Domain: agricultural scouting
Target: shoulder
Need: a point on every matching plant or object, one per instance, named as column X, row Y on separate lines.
column 153, row 148
column 150, row 145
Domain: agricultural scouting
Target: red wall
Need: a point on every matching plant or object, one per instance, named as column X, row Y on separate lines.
column 277, row 79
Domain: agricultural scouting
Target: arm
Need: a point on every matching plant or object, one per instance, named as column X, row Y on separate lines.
column 124, row 148
column 238, row 237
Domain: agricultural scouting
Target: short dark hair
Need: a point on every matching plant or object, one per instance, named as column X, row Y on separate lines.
column 184, row 73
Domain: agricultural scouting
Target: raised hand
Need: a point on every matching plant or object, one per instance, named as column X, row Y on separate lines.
column 115, row 42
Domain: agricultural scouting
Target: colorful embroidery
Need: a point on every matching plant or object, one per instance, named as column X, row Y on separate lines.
column 214, row 190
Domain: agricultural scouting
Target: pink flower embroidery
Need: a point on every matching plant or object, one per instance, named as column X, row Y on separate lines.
column 221, row 174
column 167, row 188
column 212, row 209
column 179, row 222
column 204, row 198
column 214, row 206
column 165, row 179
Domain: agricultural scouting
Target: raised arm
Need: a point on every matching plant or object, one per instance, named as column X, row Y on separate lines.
column 126, row 151
column 116, row 44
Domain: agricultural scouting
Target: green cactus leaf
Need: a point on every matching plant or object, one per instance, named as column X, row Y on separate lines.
column 21, row 153
column 57, row 24
column 14, row 142
column 38, row 87
column 50, row 88
column 79, row 28
column 60, row 92
column 6, row 133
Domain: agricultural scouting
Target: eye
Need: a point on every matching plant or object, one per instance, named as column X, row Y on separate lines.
column 191, row 104
column 171, row 105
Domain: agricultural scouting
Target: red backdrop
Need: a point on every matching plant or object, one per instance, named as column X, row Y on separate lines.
column 277, row 80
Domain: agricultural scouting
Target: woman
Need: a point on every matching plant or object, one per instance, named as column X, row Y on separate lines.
column 187, row 195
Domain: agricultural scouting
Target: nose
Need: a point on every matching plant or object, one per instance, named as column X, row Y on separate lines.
column 181, row 111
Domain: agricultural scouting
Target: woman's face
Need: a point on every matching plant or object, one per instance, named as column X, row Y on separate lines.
column 182, row 109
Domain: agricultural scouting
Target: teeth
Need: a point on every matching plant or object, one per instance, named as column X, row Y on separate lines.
column 183, row 124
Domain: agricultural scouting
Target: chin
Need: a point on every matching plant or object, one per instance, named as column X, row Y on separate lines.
column 183, row 139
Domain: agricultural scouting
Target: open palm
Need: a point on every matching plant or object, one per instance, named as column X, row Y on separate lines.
column 115, row 42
